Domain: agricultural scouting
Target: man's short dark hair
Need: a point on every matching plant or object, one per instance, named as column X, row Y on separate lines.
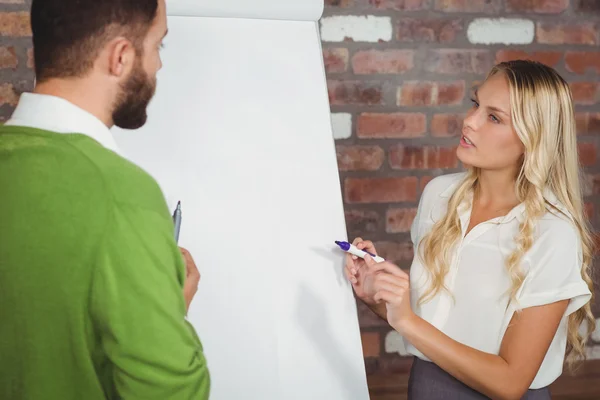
column 68, row 35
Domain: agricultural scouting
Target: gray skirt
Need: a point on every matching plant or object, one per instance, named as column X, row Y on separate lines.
column 429, row 382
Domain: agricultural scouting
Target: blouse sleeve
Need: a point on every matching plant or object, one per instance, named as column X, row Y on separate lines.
column 555, row 270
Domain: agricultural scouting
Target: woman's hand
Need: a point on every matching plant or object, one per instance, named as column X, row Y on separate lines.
column 391, row 285
column 357, row 272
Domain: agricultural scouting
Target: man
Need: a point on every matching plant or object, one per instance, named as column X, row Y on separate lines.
column 93, row 288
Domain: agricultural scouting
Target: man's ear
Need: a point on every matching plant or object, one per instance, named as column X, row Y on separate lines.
column 121, row 57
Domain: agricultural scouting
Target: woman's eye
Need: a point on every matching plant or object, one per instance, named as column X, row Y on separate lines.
column 475, row 103
column 494, row 119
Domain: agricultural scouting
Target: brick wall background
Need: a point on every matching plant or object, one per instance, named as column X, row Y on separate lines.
column 400, row 76
column 16, row 55
column 400, row 73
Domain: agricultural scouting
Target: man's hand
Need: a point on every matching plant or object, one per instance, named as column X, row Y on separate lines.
column 192, row 278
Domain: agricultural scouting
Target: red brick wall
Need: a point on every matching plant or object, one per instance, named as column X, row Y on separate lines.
column 405, row 93
column 16, row 56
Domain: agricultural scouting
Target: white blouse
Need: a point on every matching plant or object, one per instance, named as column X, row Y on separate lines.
column 480, row 312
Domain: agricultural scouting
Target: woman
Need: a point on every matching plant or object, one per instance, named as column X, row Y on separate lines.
column 499, row 284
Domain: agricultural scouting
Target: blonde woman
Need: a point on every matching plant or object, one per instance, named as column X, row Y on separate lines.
column 500, row 282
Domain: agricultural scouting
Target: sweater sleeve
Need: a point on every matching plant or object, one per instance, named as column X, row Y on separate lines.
column 139, row 311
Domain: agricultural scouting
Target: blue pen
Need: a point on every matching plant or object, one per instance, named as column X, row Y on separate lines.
column 177, row 221
column 350, row 248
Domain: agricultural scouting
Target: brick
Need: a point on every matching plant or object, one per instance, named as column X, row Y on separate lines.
column 501, row 31
column 367, row 318
column 594, row 123
column 596, row 188
column 587, row 154
column 336, row 60
column 366, row 28
column 359, row 158
column 587, row 184
column 455, row 61
column 339, row 3
column 424, row 181
column 371, row 343
column 353, row 92
column 537, row 6
column 586, row 93
column 418, row 93
column 589, row 210
column 446, row 125
column 383, row 61
column 596, row 334
column 429, row 30
column 15, row 24
column 550, row 58
column 399, row 219
column 30, row 59
column 422, row 157
column 580, row 61
column 8, row 95
column 562, row 33
column 397, row 253
column 593, row 126
column 587, row 6
column 588, row 123
column 360, row 222
column 380, row 190
column 401, row 5
column 395, row 125
column 8, row 57
column 469, row 6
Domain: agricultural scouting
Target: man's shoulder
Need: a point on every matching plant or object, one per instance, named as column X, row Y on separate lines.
column 75, row 162
column 126, row 181
column 45, row 157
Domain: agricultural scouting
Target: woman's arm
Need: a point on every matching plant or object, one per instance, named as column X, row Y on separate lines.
column 504, row 376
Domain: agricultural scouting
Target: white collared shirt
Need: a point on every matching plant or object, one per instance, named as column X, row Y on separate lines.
column 58, row 115
column 478, row 280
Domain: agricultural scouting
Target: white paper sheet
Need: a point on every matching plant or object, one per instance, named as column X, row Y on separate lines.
column 240, row 132
column 294, row 10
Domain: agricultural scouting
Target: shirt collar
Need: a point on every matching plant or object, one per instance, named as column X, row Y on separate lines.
column 517, row 212
column 58, row 115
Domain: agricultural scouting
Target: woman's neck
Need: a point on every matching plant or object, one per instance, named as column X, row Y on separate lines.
column 496, row 189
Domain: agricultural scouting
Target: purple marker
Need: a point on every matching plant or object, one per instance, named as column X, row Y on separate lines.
column 350, row 248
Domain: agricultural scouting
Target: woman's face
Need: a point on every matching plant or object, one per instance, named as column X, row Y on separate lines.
column 489, row 140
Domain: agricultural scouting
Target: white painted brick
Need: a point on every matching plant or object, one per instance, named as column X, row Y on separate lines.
column 342, row 125
column 596, row 333
column 358, row 28
column 395, row 344
column 501, row 30
column 593, row 353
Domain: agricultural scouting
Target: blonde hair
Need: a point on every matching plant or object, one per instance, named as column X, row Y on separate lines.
column 543, row 118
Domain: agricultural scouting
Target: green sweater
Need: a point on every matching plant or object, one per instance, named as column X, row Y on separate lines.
column 91, row 279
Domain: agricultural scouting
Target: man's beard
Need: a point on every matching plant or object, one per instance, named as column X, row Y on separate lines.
column 130, row 108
